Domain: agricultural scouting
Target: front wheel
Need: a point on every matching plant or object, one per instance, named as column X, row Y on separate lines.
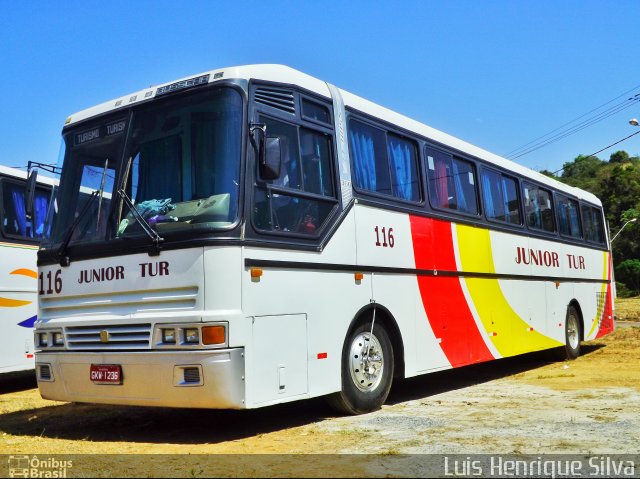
column 367, row 370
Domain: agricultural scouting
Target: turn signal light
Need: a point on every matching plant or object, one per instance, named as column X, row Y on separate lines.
column 213, row 335
column 256, row 273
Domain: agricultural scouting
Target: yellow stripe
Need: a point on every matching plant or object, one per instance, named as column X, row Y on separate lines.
column 12, row 303
column 26, row 272
column 513, row 333
column 20, row 246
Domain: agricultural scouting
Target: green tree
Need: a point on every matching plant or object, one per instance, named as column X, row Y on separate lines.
column 581, row 172
column 550, row 174
column 628, row 272
column 617, row 183
column 619, row 157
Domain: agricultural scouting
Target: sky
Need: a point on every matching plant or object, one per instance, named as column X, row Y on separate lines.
column 499, row 74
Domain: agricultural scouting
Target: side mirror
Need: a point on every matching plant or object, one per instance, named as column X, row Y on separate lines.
column 270, row 158
column 30, row 193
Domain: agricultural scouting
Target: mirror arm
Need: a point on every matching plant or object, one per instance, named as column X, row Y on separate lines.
column 252, row 128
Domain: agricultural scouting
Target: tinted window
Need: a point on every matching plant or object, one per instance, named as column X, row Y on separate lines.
column 369, row 152
column 593, row 224
column 404, row 168
column 185, row 163
column 316, row 162
column 14, row 222
column 303, row 196
column 568, row 217
column 500, row 195
column 314, row 111
column 452, row 182
column 538, row 208
column 384, row 163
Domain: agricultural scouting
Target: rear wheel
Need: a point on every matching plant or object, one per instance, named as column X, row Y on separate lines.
column 367, row 370
column 572, row 334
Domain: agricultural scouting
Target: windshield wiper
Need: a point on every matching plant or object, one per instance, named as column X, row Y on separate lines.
column 62, row 250
column 104, row 177
column 151, row 233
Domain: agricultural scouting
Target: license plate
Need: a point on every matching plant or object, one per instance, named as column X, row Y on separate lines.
column 106, row 373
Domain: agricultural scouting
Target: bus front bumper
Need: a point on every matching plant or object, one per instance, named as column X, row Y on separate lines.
column 194, row 379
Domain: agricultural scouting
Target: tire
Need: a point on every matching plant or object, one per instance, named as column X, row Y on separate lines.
column 366, row 378
column 572, row 334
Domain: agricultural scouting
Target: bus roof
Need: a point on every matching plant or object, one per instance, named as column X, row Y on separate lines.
column 19, row 174
column 288, row 75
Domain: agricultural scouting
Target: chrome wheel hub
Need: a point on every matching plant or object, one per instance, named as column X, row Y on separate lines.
column 573, row 334
column 366, row 362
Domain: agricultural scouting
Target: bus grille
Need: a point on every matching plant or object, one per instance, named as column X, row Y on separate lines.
column 130, row 336
column 191, row 375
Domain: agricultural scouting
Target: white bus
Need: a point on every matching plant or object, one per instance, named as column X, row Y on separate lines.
column 256, row 235
column 18, row 277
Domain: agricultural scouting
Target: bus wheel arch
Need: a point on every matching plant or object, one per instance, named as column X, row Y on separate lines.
column 383, row 315
column 369, row 361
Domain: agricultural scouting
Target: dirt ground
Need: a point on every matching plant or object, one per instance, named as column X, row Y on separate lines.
column 524, row 405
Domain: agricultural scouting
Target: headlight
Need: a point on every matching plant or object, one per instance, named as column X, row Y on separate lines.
column 58, row 339
column 192, row 336
column 42, row 340
column 169, row 336
column 206, row 335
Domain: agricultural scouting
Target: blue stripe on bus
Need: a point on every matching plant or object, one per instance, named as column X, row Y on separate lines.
column 28, row 323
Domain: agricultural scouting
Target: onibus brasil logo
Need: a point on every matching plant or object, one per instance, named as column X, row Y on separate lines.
column 33, row 466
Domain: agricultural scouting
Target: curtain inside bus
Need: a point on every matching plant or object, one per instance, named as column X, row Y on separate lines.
column 403, row 169
column 17, row 196
column 460, row 196
column 574, row 220
column 442, row 185
column 505, row 201
column 15, row 222
column 40, row 205
column 488, row 195
column 364, row 156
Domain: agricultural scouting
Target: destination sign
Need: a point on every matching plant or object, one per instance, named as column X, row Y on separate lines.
column 87, row 136
column 110, row 129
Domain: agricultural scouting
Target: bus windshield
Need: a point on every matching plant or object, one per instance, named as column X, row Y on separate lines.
column 178, row 159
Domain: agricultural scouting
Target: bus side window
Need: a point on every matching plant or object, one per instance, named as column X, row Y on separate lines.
column 284, row 204
column 538, row 209
column 369, row 151
column 403, row 162
column 452, row 182
column 316, row 163
column 593, row 224
column 500, row 193
column 384, row 162
column 568, row 217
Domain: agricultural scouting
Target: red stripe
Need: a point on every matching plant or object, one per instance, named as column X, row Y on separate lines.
column 442, row 297
column 606, row 323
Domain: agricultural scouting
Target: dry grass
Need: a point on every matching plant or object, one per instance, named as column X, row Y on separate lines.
column 628, row 309
column 609, row 362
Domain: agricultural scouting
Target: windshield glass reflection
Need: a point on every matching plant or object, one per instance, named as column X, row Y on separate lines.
column 178, row 160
